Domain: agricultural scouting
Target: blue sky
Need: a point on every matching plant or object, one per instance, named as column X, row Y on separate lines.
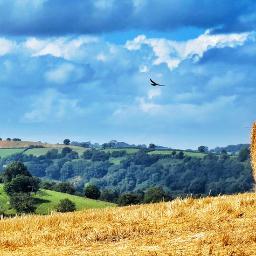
column 80, row 70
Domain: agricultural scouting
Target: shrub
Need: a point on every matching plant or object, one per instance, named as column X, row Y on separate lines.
column 155, row 194
column 22, row 203
column 129, row 199
column 92, row 191
column 66, row 205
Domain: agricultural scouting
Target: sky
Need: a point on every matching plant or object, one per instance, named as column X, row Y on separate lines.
column 80, row 70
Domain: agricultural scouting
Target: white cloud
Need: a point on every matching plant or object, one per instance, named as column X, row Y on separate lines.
column 61, row 74
column 172, row 53
column 63, row 47
column 6, row 46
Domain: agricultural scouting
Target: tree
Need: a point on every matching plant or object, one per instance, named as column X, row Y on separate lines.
column 66, row 141
column 22, row 203
column 180, row 155
column 14, row 169
column 52, row 154
column 92, row 191
column 203, row 149
column 129, row 199
column 99, row 156
column 109, row 195
column 52, row 171
column 152, row 146
column 244, row 154
column 65, row 151
column 22, row 184
column 155, row 194
column 65, row 187
column 8, row 139
column 66, row 205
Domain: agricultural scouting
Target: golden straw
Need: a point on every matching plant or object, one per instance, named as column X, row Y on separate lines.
column 253, row 150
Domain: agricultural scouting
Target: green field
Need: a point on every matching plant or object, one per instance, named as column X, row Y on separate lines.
column 128, row 150
column 48, row 201
column 168, row 152
column 43, row 151
column 4, row 152
column 37, row 151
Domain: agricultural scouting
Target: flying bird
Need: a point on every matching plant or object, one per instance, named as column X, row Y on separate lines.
column 155, row 84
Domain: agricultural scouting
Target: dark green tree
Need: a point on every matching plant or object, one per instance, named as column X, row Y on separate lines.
column 129, row 199
column 109, row 195
column 244, row 154
column 22, row 184
column 65, row 151
column 155, row 194
column 65, row 187
column 66, row 205
column 22, row 203
column 203, row 149
column 14, row 169
column 152, row 146
column 92, row 191
column 180, row 155
column 66, row 141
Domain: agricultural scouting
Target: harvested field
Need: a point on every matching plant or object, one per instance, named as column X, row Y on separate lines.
column 223, row 225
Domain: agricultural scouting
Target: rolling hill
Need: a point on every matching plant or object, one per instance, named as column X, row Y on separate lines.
column 8, row 148
column 47, row 201
column 224, row 225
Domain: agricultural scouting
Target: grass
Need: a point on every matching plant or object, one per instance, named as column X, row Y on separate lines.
column 223, row 225
column 128, row 150
column 4, row 152
column 43, row 151
column 4, row 202
column 168, row 152
column 37, row 151
column 48, row 200
column 116, row 160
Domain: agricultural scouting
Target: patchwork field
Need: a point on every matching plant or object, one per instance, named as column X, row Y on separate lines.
column 168, row 152
column 223, row 225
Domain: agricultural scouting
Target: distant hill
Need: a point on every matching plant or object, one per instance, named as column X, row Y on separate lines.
column 209, row 226
column 47, row 201
column 26, row 144
column 233, row 149
column 8, row 148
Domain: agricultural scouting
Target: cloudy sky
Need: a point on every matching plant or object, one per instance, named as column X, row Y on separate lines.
column 80, row 69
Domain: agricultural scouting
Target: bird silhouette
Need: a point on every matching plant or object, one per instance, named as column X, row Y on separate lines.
column 155, row 84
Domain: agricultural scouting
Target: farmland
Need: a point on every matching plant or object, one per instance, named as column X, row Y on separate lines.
column 224, row 225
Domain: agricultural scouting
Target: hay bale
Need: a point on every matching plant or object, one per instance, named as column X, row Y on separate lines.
column 253, row 150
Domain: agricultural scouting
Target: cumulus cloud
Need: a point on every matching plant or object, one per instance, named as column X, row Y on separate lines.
column 63, row 47
column 173, row 52
column 43, row 17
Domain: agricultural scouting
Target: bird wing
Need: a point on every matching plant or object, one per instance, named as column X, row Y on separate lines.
column 153, row 83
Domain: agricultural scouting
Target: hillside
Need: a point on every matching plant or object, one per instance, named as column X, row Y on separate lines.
column 223, row 225
column 48, row 200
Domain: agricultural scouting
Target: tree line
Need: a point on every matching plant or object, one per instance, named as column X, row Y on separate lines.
column 121, row 173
